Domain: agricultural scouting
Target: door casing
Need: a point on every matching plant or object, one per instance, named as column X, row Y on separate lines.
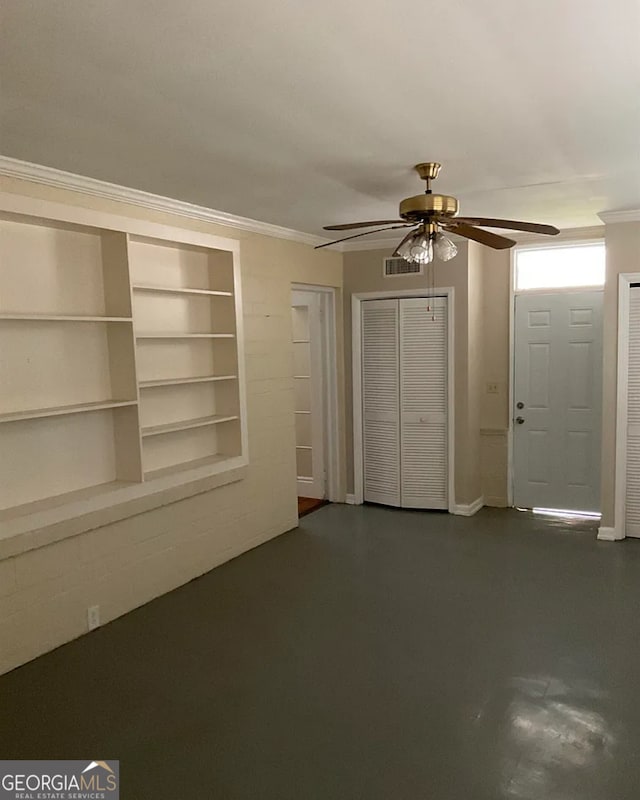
column 588, row 238
column 618, row 529
column 329, row 359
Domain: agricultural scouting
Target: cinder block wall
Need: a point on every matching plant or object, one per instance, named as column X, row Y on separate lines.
column 45, row 593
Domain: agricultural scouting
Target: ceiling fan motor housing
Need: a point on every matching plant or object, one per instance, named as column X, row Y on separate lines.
column 423, row 206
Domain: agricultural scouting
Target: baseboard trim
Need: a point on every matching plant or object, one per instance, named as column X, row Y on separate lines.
column 495, row 501
column 606, row 534
column 350, row 499
column 469, row 510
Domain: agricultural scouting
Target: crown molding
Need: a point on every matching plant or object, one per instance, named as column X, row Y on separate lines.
column 630, row 215
column 49, row 176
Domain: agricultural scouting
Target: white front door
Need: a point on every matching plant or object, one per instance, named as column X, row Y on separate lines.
column 309, row 393
column 557, row 400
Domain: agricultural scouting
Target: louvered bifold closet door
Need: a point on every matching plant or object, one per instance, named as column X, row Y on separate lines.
column 632, row 500
column 423, row 403
column 380, row 402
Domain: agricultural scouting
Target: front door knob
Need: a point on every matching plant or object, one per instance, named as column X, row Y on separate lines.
column 519, row 420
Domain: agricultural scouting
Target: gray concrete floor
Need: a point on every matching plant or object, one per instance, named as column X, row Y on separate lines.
column 371, row 654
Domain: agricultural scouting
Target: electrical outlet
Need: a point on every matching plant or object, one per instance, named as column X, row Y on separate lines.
column 93, row 617
column 492, row 388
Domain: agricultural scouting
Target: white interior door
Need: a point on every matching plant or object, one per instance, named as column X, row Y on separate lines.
column 381, row 402
column 558, row 400
column 404, row 402
column 309, row 393
column 423, row 402
column 632, row 494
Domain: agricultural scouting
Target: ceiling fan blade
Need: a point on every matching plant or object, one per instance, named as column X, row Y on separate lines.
column 510, row 224
column 355, row 235
column 395, row 253
column 478, row 235
column 349, row 225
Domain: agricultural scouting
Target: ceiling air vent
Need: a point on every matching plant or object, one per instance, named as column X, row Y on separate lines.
column 398, row 266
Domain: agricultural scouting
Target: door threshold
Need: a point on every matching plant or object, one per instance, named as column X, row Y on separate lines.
column 306, row 505
column 564, row 512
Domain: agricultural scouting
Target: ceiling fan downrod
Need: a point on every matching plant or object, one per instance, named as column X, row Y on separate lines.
column 428, row 171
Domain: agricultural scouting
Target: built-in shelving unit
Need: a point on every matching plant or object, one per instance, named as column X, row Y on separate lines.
column 148, row 386
column 189, row 319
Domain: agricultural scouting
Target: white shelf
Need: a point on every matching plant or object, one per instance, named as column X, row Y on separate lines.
column 58, row 411
column 185, row 381
column 62, row 318
column 185, row 466
column 183, row 425
column 185, row 336
column 175, row 290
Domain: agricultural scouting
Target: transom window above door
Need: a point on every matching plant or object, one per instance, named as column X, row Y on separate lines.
column 562, row 267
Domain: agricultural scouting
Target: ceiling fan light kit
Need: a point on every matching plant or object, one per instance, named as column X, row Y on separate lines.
column 428, row 214
column 417, row 249
column 444, row 247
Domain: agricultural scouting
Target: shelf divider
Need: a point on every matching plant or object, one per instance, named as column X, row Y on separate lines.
column 116, row 276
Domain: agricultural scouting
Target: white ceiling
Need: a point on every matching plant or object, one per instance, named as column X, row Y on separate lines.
column 304, row 114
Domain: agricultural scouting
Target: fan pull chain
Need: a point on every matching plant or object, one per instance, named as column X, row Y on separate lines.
column 432, row 289
column 431, row 285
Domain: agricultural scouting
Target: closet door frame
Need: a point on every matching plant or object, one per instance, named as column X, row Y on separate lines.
column 624, row 296
column 356, row 322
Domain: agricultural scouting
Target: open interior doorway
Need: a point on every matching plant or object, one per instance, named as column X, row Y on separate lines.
column 314, row 359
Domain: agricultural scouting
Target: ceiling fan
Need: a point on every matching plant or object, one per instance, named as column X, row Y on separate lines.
column 428, row 215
